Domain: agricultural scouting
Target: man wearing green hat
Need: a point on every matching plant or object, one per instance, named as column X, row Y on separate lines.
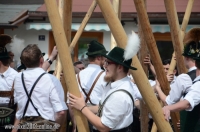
column 115, row 109
column 90, row 80
column 191, row 96
column 7, row 76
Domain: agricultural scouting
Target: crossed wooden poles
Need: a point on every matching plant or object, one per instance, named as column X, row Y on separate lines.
column 121, row 39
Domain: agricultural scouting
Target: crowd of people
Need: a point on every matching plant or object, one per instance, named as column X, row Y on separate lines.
column 109, row 94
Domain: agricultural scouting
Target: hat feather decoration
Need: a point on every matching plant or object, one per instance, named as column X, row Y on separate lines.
column 17, row 46
column 132, row 47
column 192, row 35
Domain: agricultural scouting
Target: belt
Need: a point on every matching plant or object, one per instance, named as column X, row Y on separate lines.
column 119, row 130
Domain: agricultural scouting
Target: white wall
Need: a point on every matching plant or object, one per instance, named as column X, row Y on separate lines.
column 30, row 37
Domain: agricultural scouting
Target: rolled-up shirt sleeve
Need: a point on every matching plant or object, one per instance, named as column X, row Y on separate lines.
column 178, row 88
column 193, row 96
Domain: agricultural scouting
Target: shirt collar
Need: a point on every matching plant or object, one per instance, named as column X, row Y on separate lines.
column 94, row 65
column 7, row 72
column 197, row 78
column 31, row 69
column 118, row 82
column 192, row 68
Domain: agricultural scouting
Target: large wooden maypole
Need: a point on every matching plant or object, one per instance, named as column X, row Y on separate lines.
column 65, row 57
column 139, row 75
column 144, row 112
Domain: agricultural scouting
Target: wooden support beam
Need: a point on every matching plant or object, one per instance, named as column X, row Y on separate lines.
column 65, row 11
column 139, row 75
column 144, row 112
column 175, row 34
column 182, row 31
column 83, row 24
column 65, row 57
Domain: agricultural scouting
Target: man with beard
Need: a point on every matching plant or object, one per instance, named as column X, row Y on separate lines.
column 90, row 80
column 115, row 109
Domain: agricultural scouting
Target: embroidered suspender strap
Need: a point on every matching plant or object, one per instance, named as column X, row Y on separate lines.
column 88, row 95
column 29, row 95
column 101, row 105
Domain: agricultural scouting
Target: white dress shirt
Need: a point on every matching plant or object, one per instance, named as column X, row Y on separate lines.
column 47, row 96
column 87, row 77
column 193, row 96
column 6, row 82
column 118, row 109
column 179, row 87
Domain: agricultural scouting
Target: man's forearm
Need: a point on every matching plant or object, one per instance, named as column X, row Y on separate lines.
column 161, row 95
column 181, row 105
column 60, row 117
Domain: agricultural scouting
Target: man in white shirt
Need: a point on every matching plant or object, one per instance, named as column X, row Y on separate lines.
column 184, row 87
column 47, row 95
column 115, row 111
column 91, row 79
column 7, row 76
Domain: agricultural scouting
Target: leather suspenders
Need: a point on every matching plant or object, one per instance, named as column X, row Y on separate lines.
column 29, row 94
column 88, row 95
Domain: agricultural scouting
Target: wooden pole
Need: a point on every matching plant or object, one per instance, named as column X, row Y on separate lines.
column 175, row 35
column 182, row 31
column 83, row 24
column 117, row 9
column 172, row 65
column 65, row 11
column 144, row 112
column 65, row 57
column 148, row 36
column 139, row 75
column 172, row 14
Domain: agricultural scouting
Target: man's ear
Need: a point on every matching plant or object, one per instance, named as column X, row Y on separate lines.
column 41, row 61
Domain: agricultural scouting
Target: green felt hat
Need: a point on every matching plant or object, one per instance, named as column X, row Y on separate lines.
column 116, row 55
column 96, row 48
column 192, row 44
column 4, row 39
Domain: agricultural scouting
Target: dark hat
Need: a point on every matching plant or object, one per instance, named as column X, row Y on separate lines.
column 116, row 55
column 96, row 48
column 192, row 44
column 22, row 66
column 4, row 39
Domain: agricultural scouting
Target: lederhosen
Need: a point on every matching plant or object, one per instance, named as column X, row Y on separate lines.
column 126, row 129
column 189, row 119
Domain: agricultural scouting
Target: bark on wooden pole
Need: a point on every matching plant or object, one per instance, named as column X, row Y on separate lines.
column 182, row 30
column 65, row 57
column 83, row 24
column 175, row 35
column 144, row 112
column 151, row 43
column 139, row 75
column 117, row 9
